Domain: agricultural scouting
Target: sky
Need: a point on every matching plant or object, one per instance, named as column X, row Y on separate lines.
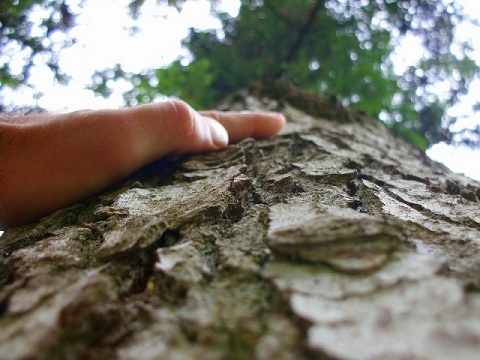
column 103, row 40
column 102, row 34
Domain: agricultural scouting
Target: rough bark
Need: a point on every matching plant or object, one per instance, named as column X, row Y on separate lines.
column 333, row 240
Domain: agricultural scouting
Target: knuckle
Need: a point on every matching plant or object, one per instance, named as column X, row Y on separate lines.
column 184, row 124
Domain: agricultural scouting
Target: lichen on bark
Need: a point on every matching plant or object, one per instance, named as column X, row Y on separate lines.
column 333, row 240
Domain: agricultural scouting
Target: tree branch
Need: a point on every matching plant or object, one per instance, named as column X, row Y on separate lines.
column 279, row 15
column 301, row 35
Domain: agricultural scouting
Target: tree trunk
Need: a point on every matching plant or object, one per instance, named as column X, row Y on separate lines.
column 333, row 240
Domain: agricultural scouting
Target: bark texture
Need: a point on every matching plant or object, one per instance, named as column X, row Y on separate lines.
column 334, row 240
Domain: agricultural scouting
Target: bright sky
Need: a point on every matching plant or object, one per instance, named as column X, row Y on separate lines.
column 103, row 40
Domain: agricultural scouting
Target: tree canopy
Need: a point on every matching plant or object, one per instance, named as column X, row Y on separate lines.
column 26, row 38
column 339, row 48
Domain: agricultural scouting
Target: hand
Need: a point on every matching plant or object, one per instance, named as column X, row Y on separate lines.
column 48, row 161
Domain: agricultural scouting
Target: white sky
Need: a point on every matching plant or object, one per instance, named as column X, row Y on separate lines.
column 103, row 40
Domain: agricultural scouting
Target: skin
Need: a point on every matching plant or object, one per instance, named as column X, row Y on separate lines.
column 49, row 161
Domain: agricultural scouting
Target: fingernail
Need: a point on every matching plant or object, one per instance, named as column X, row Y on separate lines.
column 281, row 116
column 218, row 132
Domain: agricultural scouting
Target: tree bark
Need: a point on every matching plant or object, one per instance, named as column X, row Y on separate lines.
column 333, row 240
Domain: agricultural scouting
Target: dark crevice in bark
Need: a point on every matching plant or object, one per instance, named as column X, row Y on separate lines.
column 355, row 202
column 169, row 238
column 30, row 238
column 415, row 178
column 374, row 180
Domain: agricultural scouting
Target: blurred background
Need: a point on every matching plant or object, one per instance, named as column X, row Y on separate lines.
column 413, row 64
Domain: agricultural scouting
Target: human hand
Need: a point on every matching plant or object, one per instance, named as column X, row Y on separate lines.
column 48, row 161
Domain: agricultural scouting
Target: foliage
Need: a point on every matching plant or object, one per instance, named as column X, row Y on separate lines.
column 339, row 48
column 20, row 34
column 192, row 82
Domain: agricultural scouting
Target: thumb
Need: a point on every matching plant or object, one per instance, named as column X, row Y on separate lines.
column 172, row 128
column 198, row 134
column 218, row 133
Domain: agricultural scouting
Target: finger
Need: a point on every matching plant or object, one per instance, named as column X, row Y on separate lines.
column 173, row 128
column 241, row 125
